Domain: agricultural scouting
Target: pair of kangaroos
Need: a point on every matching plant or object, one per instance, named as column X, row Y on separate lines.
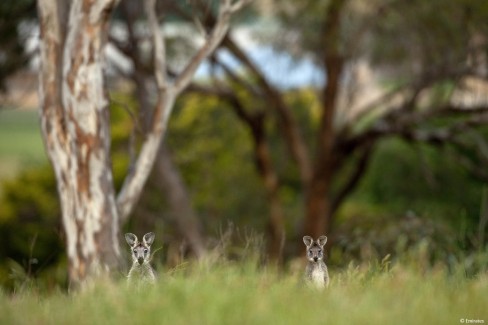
column 316, row 272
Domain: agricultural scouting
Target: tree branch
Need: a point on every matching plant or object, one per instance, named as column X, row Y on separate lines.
column 267, row 172
column 354, row 178
column 236, row 78
column 219, row 31
column 159, row 49
column 409, row 127
column 293, row 138
column 136, row 178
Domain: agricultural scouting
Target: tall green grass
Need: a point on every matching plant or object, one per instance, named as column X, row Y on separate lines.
column 243, row 294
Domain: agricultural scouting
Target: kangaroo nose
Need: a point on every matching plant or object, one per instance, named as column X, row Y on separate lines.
column 315, row 259
column 140, row 260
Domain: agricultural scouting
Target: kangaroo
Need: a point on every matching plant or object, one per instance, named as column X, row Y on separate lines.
column 141, row 270
column 316, row 272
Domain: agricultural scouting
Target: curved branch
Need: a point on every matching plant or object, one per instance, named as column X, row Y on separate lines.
column 294, row 140
column 167, row 94
column 227, row 8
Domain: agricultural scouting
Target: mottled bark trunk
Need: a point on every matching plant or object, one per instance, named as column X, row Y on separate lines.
column 89, row 219
column 75, row 126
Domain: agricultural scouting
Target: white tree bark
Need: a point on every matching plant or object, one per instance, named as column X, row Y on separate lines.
column 75, row 125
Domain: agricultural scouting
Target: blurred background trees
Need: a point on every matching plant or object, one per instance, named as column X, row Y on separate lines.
column 382, row 141
column 14, row 31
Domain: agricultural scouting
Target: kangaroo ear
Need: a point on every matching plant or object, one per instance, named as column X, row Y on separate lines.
column 322, row 240
column 307, row 240
column 149, row 238
column 131, row 239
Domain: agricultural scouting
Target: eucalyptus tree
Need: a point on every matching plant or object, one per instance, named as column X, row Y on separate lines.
column 76, row 127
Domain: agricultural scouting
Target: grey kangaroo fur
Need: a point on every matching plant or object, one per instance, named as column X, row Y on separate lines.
column 141, row 270
column 316, row 272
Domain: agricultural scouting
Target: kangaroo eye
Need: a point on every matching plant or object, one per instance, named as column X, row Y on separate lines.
column 135, row 251
column 145, row 250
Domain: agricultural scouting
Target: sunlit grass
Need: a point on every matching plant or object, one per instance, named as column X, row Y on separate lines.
column 239, row 294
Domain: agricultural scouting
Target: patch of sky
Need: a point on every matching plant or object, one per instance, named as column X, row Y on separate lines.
column 280, row 68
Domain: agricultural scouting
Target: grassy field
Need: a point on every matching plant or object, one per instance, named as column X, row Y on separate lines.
column 20, row 141
column 236, row 294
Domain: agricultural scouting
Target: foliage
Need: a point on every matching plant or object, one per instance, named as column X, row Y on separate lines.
column 13, row 54
column 30, row 234
column 398, row 34
column 213, row 151
column 429, row 39
column 422, row 180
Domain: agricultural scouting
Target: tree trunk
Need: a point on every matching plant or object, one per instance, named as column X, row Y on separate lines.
column 276, row 228
column 182, row 214
column 264, row 166
column 75, row 124
column 318, row 205
column 318, row 217
column 90, row 217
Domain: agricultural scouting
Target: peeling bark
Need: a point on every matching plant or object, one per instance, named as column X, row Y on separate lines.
column 75, row 126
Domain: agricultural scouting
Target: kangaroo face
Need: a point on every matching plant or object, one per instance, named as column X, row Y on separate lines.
column 315, row 253
column 315, row 249
column 141, row 251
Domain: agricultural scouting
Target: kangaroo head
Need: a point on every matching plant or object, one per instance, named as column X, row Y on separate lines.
column 315, row 249
column 141, row 251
